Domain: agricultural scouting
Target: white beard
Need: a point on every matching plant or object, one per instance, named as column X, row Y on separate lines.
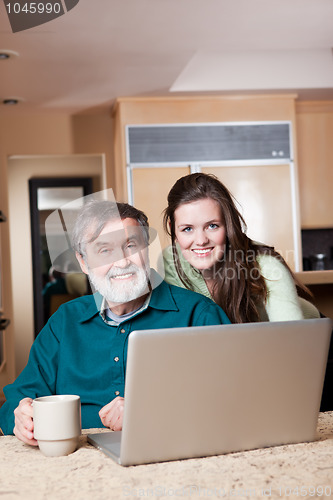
column 121, row 291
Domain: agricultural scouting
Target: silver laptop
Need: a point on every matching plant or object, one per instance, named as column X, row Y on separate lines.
column 200, row 391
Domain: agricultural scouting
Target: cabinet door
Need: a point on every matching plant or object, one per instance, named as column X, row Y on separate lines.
column 315, row 159
column 266, row 201
column 150, row 190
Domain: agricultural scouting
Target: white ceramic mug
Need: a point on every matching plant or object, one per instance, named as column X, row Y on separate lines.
column 57, row 424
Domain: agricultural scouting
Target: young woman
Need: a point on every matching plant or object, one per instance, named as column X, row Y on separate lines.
column 211, row 254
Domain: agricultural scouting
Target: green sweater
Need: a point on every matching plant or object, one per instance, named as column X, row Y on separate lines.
column 78, row 353
column 282, row 304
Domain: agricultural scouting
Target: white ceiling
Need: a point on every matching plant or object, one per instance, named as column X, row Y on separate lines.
column 103, row 49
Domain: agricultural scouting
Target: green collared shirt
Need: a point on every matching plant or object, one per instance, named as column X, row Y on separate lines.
column 78, row 353
column 109, row 321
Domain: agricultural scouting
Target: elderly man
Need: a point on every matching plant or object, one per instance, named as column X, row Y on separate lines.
column 82, row 349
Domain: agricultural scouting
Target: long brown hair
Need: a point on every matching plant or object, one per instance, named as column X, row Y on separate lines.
column 239, row 287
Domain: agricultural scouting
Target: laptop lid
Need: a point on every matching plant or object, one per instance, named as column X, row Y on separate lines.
column 200, row 391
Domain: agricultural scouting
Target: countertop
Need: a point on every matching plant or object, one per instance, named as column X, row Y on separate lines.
column 315, row 277
column 295, row 471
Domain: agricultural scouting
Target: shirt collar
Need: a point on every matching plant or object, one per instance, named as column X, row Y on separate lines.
column 161, row 298
column 105, row 307
column 92, row 308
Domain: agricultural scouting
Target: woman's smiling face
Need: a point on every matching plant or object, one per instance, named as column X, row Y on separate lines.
column 200, row 233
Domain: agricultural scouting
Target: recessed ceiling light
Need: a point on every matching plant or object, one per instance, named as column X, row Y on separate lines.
column 10, row 102
column 7, row 54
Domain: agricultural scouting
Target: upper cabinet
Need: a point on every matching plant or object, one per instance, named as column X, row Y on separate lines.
column 195, row 110
column 314, row 123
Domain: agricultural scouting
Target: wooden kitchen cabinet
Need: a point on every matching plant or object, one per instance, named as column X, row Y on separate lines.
column 255, row 187
column 194, row 109
column 151, row 188
column 314, row 124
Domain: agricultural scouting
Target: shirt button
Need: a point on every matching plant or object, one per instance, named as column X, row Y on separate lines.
column 116, row 359
column 122, row 331
column 117, row 393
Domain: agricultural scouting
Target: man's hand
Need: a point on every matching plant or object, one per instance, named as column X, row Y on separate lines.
column 112, row 414
column 24, row 424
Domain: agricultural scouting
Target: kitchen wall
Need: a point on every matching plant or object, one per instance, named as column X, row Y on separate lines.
column 22, row 133
column 44, row 133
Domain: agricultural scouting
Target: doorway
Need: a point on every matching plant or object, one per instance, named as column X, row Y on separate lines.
column 46, row 195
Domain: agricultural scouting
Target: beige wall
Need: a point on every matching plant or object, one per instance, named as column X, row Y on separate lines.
column 91, row 134
column 20, row 170
column 44, row 133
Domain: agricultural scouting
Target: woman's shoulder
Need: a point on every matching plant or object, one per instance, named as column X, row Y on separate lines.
column 192, row 275
column 167, row 251
column 167, row 256
column 272, row 268
column 166, row 265
column 266, row 260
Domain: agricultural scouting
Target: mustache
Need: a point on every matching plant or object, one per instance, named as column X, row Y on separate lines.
column 119, row 271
